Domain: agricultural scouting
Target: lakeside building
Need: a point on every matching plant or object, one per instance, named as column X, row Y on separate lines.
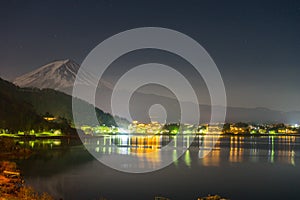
column 50, row 118
column 235, row 129
column 151, row 128
column 211, row 128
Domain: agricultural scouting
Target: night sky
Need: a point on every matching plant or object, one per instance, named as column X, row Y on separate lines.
column 255, row 44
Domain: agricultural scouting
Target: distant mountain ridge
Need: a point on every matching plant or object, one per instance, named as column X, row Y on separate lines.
column 60, row 75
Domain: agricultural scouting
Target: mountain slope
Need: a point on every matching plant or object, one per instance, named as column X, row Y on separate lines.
column 60, row 104
column 23, row 107
column 19, row 115
column 16, row 114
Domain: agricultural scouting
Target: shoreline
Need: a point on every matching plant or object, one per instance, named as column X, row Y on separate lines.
column 30, row 137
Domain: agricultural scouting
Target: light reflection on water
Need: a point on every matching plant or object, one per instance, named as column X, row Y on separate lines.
column 274, row 149
column 149, row 151
column 39, row 143
column 237, row 149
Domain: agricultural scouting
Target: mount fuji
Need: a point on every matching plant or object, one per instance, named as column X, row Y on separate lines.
column 57, row 75
column 60, row 75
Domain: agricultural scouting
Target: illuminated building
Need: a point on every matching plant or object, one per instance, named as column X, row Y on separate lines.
column 238, row 130
column 211, row 128
column 50, row 118
column 151, row 128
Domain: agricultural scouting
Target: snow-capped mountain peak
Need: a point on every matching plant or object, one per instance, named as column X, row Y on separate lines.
column 61, row 75
column 56, row 75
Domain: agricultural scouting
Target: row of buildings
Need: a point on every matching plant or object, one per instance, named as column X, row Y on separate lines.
column 227, row 128
column 174, row 128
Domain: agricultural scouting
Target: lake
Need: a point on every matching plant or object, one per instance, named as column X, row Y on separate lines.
column 237, row 167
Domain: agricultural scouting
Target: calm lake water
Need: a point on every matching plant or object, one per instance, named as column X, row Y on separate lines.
column 238, row 167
